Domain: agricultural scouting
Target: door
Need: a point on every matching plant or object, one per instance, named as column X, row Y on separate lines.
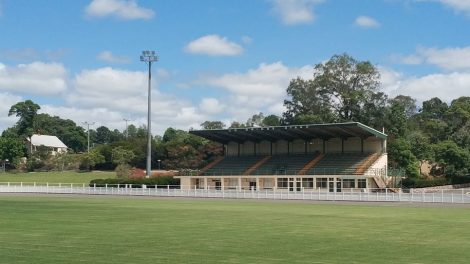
column 331, row 186
column 338, row 186
column 299, row 185
column 253, row 185
column 218, row 185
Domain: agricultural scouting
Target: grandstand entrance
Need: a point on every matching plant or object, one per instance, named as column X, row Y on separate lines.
column 295, row 185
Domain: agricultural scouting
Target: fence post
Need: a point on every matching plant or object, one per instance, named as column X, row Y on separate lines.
column 462, row 196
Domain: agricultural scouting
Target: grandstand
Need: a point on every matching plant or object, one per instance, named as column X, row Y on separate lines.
column 316, row 157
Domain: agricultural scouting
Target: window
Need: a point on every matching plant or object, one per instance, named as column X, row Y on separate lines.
column 322, row 183
column 307, row 183
column 349, row 183
column 361, row 183
column 282, row 183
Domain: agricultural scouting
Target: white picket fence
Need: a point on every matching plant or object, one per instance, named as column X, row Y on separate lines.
column 416, row 195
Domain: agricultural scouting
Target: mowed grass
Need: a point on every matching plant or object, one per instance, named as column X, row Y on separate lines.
column 55, row 229
column 56, row 176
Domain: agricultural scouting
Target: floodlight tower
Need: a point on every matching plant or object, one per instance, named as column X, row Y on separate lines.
column 149, row 57
column 127, row 127
column 88, row 124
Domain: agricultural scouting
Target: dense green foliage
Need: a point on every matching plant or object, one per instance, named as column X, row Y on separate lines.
column 136, row 183
column 122, row 230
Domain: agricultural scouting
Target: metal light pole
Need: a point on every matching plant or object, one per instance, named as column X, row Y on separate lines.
column 127, row 127
column 149, row 57
column 88, row 124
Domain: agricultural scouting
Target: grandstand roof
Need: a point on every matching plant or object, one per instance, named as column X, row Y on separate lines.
column 274, row 133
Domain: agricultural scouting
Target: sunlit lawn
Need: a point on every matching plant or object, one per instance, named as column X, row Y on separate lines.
column 56, row 177
column 95, row 229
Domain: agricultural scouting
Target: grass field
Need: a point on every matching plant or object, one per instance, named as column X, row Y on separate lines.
column 86, row 229
column 56, row 177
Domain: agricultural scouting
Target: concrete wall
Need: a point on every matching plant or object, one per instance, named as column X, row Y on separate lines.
column 373, row 144
column 264, row 148
column 315, row 145
column 297, row 146
column 280, row 147
column 379, row 167
column 352, row 145
column 333, row 145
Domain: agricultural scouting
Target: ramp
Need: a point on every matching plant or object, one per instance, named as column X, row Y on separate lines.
column 311, row 164
column 253, row 168
column 210, row 165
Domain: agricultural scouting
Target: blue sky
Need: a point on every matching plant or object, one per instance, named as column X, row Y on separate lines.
column 219, row 60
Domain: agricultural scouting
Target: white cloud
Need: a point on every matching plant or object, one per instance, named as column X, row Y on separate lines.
column 107, row 95
column 256, row 90
column 445, row 86
column 213, row 45
column 458, row 5
column 123, row 9
column 366, row 22
column 211, row 106
column 34, row 78
column 108, row 56
column 447, row 58
column 293, row 12
column 6, row 101
column 453, row 59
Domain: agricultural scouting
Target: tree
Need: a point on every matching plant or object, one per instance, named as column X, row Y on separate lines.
column 454, row 161
column 236, row 124
column 12, row 149
column 272, row 120
column 27, row 112
column 420, row 147
column 401, row 155
column 89, row 160
column 122, row 156
column 103, row 135
column 349, row 84
column 307, row 103
column 213, row 125
column 408, row 104
column 255, row 120
column 342, row 89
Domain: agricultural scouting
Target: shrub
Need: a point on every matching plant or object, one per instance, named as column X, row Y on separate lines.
column 123, row 171
column 136, row 183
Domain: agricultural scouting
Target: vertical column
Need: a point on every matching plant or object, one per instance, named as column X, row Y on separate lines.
column 275, row 183
column 222, row 183
column 342, row 145
column 205, row 183
column 254, row 148
column 238, row 149
column 257, row 183
column 239, row 183
column 306, row 146
column 271, row 151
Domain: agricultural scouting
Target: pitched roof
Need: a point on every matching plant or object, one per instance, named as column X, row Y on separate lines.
column 306, row 132
column 48, row 141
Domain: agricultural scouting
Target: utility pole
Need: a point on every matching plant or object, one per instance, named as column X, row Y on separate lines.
column 88, row 124
column 127, row 127
column 149, row 57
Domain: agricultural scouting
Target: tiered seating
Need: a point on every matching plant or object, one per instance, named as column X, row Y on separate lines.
column 284, row 164
column 232, row 165
column 339, row 164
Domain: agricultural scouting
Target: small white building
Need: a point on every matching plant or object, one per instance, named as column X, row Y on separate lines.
column 52, row 142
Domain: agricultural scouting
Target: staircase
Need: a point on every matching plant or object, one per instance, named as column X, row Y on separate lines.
column 210, row 165
column 380, row 183
column 311, row 164
column 362, row 168
column 253, row 168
